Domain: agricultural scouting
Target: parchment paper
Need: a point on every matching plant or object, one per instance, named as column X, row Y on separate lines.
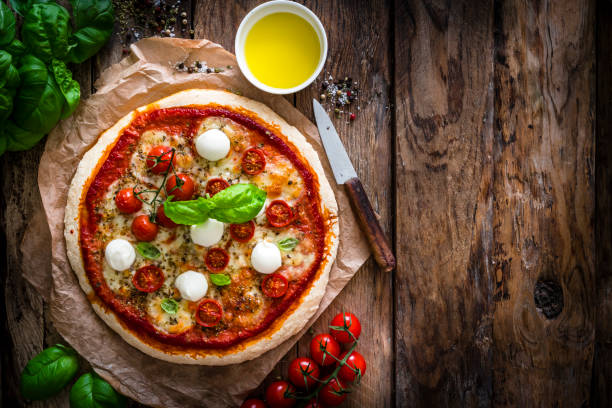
column 145, row 76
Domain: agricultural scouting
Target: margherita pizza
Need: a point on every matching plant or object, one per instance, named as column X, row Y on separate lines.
column 202, row 228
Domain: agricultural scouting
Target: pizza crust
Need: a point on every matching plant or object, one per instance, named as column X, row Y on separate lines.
column 287, row 325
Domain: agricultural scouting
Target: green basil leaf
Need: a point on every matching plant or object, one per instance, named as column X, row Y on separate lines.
column 148, row 250
column 19, row 139
column 220, row 279
column 191, row 212
column 170, row 306
column 68, row 86
column 287, row 244
column 46, row 30
column 16, row 49
column 46, row 374
column 9, row 76
column 237, row 204
column 6, row 107
column 22, row 7
column 7, row 25
column 91, row 391
column 94, row 21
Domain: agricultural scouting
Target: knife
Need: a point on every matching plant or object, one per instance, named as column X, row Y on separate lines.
column 344, row 173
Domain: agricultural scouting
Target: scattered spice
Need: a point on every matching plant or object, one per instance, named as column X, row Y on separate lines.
column 340, row 95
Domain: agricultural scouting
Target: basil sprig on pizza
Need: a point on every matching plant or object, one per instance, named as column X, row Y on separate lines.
column 202, row 228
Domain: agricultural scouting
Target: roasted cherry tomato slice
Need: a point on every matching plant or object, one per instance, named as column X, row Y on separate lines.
column 159, row 158
column 331, row 394
column 216, row 259
column 242, row 232
column 163, row 220
column 348, row 321
column 143, row 229
column 215, row 185
column 355, row 361
column 253, row 403
column 274, row 285
column 209, row 313
column 326, row 342
column 303, row 372
column 279, row 213
column 253, row 161
column 127, row 202
column 180, row 186
column 275, row 394
column 148, row 279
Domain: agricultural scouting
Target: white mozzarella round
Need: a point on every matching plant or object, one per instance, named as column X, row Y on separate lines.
column 212, row 145
column 192, row 285
column 207, row 233
column 119, row 254
column 266, row 257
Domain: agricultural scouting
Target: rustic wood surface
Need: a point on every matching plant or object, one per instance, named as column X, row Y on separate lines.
column 483, row 140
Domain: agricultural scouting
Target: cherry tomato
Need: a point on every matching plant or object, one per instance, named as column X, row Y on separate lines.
column 216, row 259
column 242, row 232
column 253, row 161
column 209, row 313
column 356, row 361
column 253, row 403
column 127, row 202
column 159, row 159
column 215, row 185
column 274, row 285
column 275, row 394
column 143, row 229
column 348, row 320
column 279, row 213
column 326, row 342
column 331, row 394
column 163, row 220
column 301, row 371
column 186, row 189
column 148, row 278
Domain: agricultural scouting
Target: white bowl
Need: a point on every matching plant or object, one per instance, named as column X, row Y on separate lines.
column 272, row 7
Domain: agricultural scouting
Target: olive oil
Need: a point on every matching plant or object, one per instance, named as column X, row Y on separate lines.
column 282, row 50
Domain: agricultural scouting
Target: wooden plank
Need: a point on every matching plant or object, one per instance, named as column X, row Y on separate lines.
column 444, row 106
column 602, row 361
column 544, row 203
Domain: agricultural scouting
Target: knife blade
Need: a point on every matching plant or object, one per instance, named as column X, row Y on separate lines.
column 345, row 173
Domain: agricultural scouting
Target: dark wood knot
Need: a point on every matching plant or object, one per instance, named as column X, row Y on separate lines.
column 548, row 296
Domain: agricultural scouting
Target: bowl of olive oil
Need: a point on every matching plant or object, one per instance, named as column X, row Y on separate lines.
column 281, row 47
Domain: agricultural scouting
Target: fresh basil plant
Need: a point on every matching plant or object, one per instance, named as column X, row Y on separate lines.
column 91, row 391
column 93, row 21
column 47, row 373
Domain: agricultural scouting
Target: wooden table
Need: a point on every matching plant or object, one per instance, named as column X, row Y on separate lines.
column 483, row 140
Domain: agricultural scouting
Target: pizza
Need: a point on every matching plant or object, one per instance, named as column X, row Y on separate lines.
column 202, row 228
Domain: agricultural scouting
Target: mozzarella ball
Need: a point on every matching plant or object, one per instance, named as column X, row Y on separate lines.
column 208, row 233
column 192, row 285
column 119, row 254
column 212, row 145
column 266, row 257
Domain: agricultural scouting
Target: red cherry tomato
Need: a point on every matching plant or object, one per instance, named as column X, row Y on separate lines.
column 143, row 229
column 356, row 361
column 163, row 220
column 209, row 313
column 253, row 403
column 331, row 394
column 215, row 185
column 274, row 285
column 216, row 259
column 148, row 278
column 279, row 213
column 331, row 346
column 276, row 394
column 301, row 372
column 183, row 192
column 253, row 161
column 127, row 202
column 349, row 321
column 159, row 159
column 242, row 232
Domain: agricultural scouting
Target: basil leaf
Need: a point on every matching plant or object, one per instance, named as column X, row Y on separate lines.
column 46, row 374
column 237, row 204
column 170, row 306
column 220, row 279
column 46, row 30
column 288, row 244
column 94, row 21
column 68, row 86
column 148, row 250
column 9, row 76
column 7, row 24
column 22, row 7
column 191, row 212
column 6, row 105
column 18, row 139
column 91, row 391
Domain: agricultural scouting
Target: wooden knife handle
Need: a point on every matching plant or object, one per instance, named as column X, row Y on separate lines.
column 383, row 253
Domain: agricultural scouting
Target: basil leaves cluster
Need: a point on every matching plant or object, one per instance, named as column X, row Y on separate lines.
column 36, row 86
column 236, row 204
